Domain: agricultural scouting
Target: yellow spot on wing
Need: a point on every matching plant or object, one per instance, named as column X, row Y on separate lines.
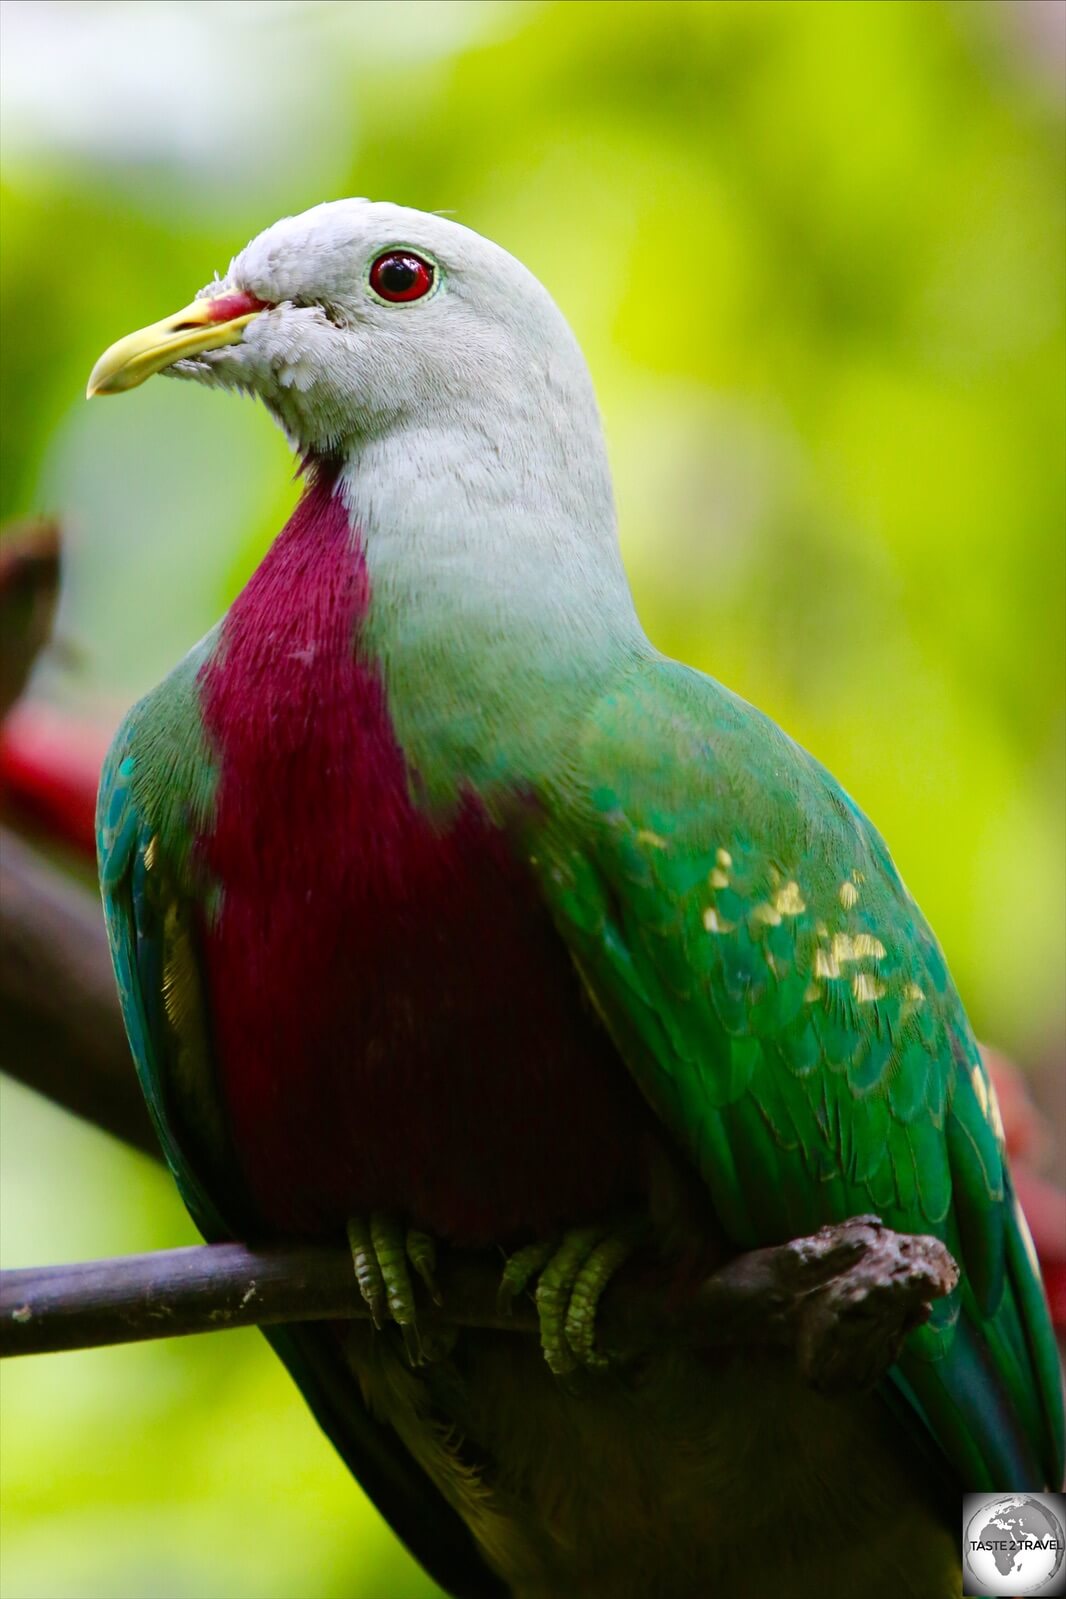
column 825, row 965
column 812, row 992
column 149, row 851
column 913, row 999
column 789, row 901
column 724, row 858
column 718, row 878
column 866, row 988
column 179, row 971
column 848, row 895
column 653, row 840
column 767, row 915
column 857, row 948
column 714, row 924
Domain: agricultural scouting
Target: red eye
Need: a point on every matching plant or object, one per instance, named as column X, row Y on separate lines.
column 400, row 275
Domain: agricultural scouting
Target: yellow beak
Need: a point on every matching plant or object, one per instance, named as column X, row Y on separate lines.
column 206, row 324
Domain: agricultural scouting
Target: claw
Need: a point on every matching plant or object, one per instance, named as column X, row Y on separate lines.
column 412, row 1343
column 571, row 1274
column 381, row 1249
column 589, row 1284
column 422, row 1253
column 390, row 1246
column 367, row 1271
column 553, row 1295
column 519, row 1271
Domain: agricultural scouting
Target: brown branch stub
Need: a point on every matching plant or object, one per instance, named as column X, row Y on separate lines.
column 29, row 590
column 842, row 1300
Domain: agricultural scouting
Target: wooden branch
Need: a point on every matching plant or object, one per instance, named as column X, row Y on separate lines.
column 61, row 1030
column 842, row 1300
column 209, row 1288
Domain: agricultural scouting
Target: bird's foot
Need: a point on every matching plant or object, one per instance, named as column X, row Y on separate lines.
column 384, row 1251
column 571, row 1272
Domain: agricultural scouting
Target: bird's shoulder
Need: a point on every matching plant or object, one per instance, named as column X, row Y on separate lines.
column 742, row 927
column 158, row 779
column 702, row 805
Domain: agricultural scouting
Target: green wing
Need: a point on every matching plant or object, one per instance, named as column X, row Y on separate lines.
column 154, row 790
column 155, row 787
column 788, row 1013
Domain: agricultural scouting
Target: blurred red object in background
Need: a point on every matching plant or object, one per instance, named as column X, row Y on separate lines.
column 49, row 762
column 1029, row 1143
column 49, row 768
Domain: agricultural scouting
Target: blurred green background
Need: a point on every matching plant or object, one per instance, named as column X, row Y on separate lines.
column 814, row 253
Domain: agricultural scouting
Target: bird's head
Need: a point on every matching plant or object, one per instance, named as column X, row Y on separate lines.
column 356, row 317
column 442, row 388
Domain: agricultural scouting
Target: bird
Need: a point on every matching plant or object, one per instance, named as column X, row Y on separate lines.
column 446, row 910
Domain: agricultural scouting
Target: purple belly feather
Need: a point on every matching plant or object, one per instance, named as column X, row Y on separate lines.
column 395, row 1022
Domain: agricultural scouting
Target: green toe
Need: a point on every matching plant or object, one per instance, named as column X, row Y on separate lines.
column 390, row 1245
column 367, row 1270
column 520, row 1269
column 422, row 1253
column 589, row 1284
column 382, row 1250
column 554, row 1288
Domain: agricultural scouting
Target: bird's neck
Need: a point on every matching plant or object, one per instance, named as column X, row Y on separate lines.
column 498, row 602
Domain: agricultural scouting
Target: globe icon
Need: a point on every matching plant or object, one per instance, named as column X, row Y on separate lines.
column 1015, row 1545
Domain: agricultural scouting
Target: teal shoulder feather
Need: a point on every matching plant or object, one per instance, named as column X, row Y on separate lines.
column 787, row 1011
column 144, row 847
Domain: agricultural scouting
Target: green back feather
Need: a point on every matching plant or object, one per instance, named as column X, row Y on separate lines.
column 787, row 1011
